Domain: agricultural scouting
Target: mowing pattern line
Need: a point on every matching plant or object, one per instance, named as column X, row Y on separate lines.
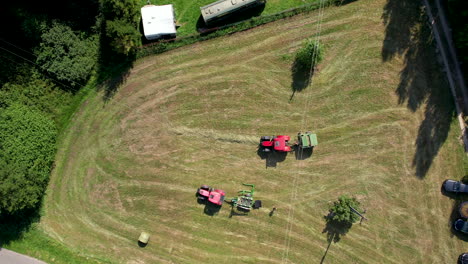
column 289, row 227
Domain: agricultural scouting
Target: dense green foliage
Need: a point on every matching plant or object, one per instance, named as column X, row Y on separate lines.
column 309, row 54
column 121, row 23
column 341, row 211
column 68, row 56
column 27, row 148
column 35, row 92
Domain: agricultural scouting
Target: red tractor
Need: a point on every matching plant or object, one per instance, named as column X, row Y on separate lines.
column 214, row 196
column 278, row 143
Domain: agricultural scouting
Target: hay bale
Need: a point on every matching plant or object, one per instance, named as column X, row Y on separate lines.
column 144, row 238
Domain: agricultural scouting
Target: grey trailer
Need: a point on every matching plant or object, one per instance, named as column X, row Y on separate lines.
column 222, row 8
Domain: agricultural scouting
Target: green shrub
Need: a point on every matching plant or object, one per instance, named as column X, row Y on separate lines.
column 27, row 148
column 341, row 212
column 32, row 90
column 70, row 57
column 310, row 54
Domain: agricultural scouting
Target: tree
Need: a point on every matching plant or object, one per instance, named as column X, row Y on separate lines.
column 124, row 37
column 309, row 55
column 27, row 148
column 341, row 211
column 70, row 57
column 121, row 23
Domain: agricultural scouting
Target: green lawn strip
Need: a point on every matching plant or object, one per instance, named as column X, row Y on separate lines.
column 39, row 245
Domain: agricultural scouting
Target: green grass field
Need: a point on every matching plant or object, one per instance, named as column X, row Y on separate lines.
column 188, row 12
column 194, row 115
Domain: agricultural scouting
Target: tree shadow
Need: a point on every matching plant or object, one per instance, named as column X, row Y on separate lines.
column 235, row 17
column 302, row 153
column 301, row 76
column 335, row 231
column 421, row 80
column 113, row 68
column 12, row 227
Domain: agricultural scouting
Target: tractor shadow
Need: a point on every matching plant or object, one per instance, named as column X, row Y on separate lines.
column 335, row 231
column 233, row 18
column 211, row 209
column 422, row 83
column 301, row 153
column 273, row 158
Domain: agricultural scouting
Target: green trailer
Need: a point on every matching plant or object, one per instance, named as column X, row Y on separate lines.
column 307, row 140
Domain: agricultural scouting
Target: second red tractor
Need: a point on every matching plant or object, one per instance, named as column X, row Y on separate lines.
column 214, row 196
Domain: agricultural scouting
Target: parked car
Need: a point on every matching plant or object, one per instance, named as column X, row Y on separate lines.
column 463, row 258
column 455, row 186
column 461, row 225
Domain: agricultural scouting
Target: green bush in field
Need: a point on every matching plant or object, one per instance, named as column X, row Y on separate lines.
column 340, row 211
column 310, row 54
column 27, row 148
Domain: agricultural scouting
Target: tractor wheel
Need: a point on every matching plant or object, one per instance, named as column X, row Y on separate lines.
column 205, row 187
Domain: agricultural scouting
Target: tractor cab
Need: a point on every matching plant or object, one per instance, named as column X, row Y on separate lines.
column 279, row 143
column 203, row 192
column 216, row 197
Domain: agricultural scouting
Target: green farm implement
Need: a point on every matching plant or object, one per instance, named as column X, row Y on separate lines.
column 245, row 200
column 306, row 140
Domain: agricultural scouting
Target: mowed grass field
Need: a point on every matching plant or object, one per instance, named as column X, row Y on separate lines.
column 194, row 116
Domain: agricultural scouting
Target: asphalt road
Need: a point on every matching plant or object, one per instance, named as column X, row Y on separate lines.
column 10, row 257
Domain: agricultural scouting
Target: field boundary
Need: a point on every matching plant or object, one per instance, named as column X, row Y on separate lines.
column 450, row 64
column 169, row 44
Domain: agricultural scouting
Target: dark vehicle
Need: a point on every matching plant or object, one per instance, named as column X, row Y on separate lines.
column 461, row 225
column 455, row 186
column 463, row 258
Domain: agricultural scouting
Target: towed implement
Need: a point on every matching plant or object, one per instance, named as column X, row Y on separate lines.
column 306, row 140
column 245, row 200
